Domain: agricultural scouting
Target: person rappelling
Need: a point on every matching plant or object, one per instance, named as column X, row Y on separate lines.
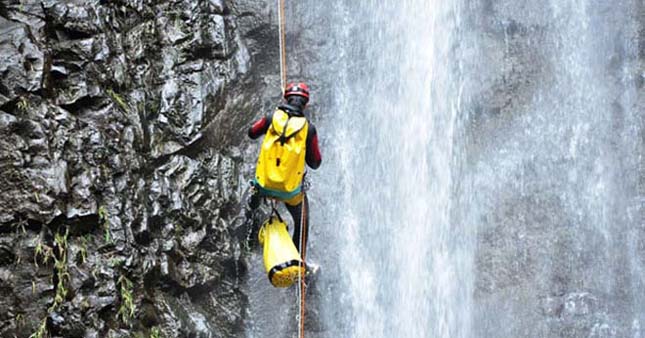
column 290, row 144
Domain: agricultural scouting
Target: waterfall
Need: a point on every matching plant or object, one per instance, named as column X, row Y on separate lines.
column 404, row 256
column 483, row 167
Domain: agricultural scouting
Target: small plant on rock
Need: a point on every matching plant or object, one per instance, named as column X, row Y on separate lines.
column 20, row 319
column 42, row 330
column 83, row 250
column 155, row 332
column 126, row 310
column 22, row 104
column 60, row 265
column 105, row 224
column 59, row 254
column 118, row 99
column 44, row 252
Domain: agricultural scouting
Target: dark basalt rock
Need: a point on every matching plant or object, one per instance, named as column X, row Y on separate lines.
column 119, row 123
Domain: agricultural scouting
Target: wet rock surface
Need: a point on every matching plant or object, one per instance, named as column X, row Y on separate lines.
column 560, row 231
column 121, row 178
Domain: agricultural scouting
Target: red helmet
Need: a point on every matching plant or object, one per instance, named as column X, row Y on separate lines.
column 300, row 89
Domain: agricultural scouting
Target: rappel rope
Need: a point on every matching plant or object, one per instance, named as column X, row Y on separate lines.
column 283, row 83
column 283, row 48
column 302, row 287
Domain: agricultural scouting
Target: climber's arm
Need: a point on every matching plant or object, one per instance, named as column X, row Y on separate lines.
column 260, row 127
column 313, row 156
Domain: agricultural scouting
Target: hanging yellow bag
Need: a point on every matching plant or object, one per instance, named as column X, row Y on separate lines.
column 281, row 258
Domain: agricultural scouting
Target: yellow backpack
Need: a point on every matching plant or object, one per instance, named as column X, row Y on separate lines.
column 281, row 164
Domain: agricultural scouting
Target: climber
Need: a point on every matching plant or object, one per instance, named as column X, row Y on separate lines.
column 290, row 142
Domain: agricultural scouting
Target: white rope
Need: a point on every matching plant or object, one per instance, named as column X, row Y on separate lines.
column 283, row 50
column 303, row 253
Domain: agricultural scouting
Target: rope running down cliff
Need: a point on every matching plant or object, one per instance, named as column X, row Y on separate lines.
column 283, row 82
column 302, row 287
column 283, row 48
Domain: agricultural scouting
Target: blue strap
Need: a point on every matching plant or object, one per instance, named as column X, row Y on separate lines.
column 282, row 195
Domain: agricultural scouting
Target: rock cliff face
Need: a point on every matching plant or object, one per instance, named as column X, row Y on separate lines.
column 121, row 174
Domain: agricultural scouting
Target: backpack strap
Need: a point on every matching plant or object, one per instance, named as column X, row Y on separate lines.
column 284, row 137
column 297, row 130
column 275, row 212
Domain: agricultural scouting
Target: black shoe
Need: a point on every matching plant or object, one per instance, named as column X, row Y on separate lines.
column 255, row 199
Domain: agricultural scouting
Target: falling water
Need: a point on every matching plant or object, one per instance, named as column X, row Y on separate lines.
column 483, row 168
column 403, row 249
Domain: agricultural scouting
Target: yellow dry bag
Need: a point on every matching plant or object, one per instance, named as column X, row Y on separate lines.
column 281, row 164
column 281, row 258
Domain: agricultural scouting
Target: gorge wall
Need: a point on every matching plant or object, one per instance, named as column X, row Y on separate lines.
column 121, row 172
